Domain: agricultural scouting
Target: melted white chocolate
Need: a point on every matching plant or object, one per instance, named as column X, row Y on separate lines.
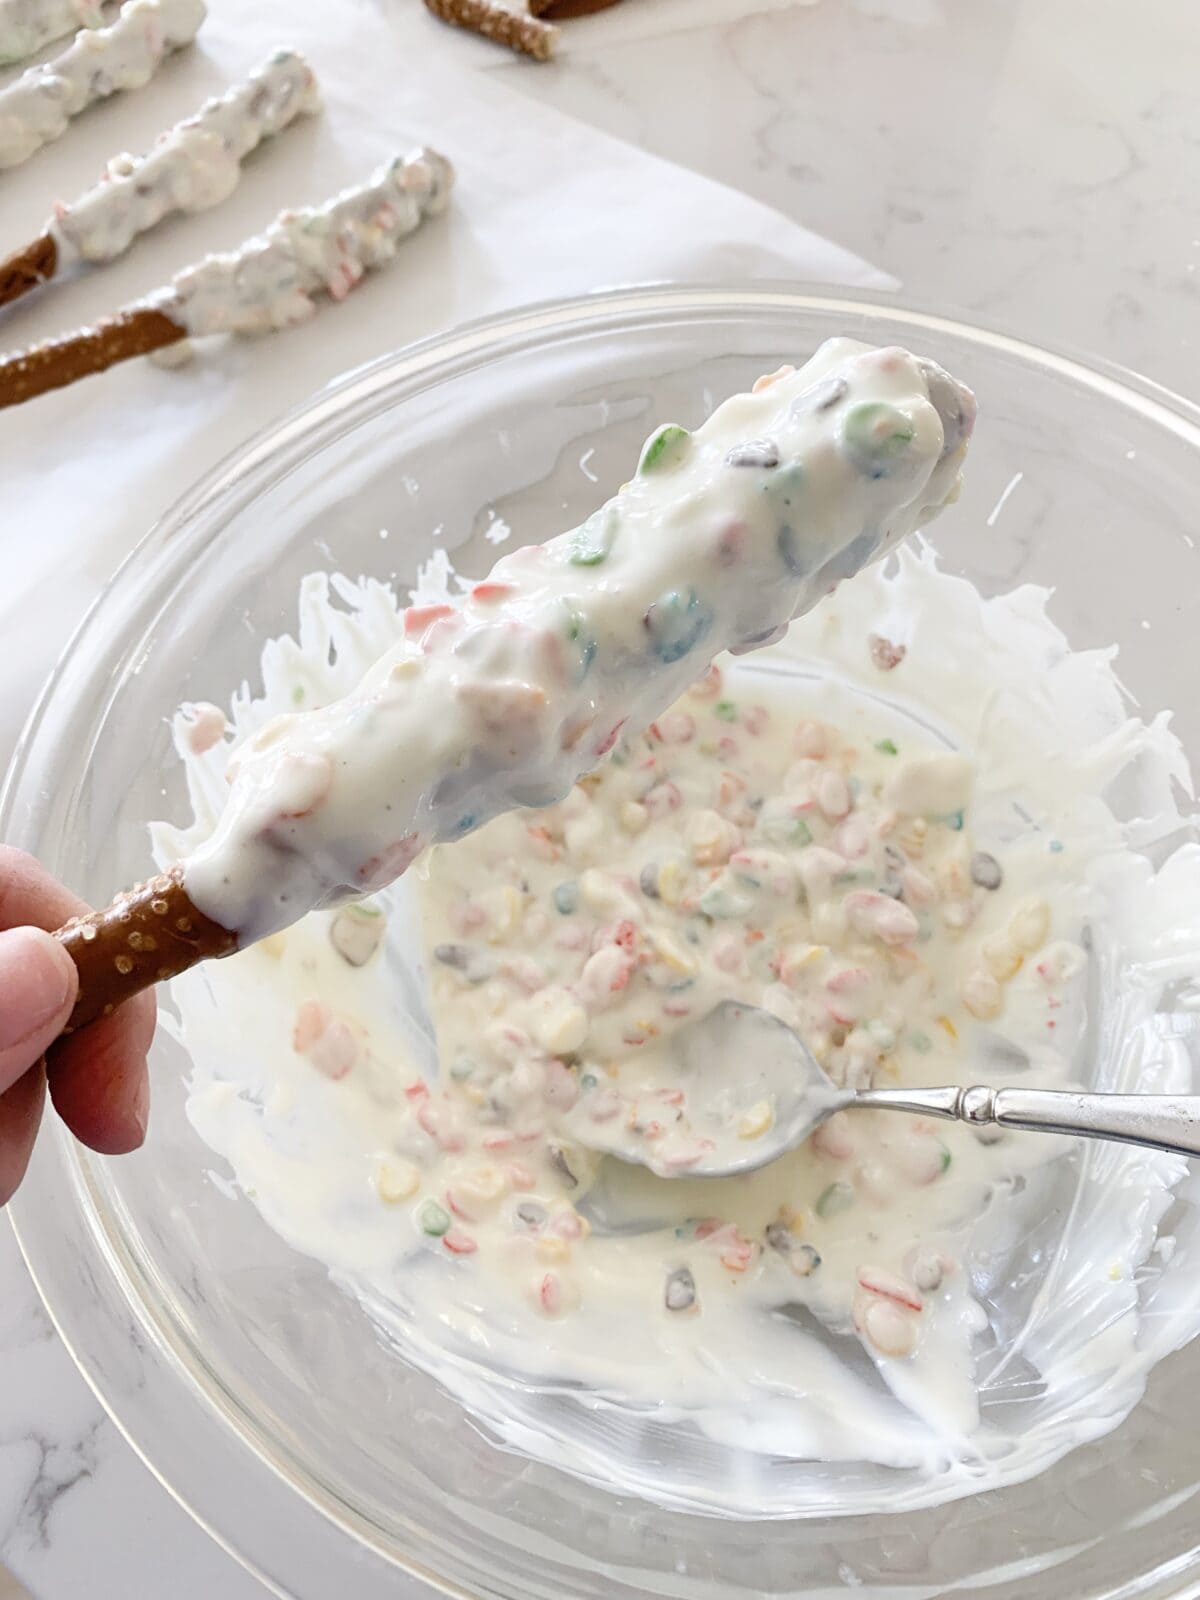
column 824, row 1308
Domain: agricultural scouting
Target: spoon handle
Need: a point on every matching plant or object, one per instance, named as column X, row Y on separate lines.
column 1158, row 1121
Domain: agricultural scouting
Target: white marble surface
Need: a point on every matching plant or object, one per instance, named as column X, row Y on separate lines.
column 1034, row 163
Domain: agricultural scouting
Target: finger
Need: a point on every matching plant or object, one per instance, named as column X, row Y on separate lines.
column 20, row 1113
column 38, row 984
column 28, row 894
column 98, row 1078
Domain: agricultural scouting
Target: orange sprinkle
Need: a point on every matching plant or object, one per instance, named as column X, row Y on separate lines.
column 944, row 1022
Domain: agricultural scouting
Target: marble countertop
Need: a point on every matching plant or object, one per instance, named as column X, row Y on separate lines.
column 1029, row 162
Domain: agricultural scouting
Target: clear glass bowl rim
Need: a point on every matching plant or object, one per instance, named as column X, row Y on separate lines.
column 260, row 1518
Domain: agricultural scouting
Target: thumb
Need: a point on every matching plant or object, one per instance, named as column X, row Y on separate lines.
column 38, row 984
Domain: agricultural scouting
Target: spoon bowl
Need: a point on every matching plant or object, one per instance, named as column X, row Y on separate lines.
column 738, row 1088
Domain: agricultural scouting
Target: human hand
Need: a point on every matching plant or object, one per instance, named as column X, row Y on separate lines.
column 97, row 1078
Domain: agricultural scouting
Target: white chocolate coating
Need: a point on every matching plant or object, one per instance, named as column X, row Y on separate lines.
column 308, row 1052
column 196, row 164
column 272, row 280
column 721, row 537
column 36, row 109
column 26, row 25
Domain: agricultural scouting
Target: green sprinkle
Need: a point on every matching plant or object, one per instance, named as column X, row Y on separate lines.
column 663, row 448
column 875, row 435
column 886, row 747
column 1056, row 846
column 837, row 1198
column 462, row 1069
column 726, row 710
column 297, row 694
column 592, row 541
column 784, row 829
column 921, row 1041
column 955, row 820
column 433, row 1219
column 589, row 1080
column 566, row 898
column 719, row 903
column 946, row 1156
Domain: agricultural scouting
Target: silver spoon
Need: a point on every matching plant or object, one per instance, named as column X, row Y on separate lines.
column 773, row 1066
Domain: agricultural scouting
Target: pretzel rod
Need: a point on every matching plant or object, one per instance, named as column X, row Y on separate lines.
column 25, row 269
column 269, row 283
column 194, row 165
column 518, row 30
column 27, row 25
column 37, row 108
column 150, row 933
column 526, row 682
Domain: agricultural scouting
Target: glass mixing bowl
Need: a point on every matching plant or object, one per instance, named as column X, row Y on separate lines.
column 258, row 1392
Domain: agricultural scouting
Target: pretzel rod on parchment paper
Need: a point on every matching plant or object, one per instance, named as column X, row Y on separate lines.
column 38, row 107
column 194, row 165
column 271, row 282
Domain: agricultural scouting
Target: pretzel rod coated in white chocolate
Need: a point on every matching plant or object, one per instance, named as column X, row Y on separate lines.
column 37, row 108
column 505, row 699
column 27, row 25
column 272, row 280
column 194, row 165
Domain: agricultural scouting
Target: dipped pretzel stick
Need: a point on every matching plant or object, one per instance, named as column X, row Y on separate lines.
column 195, row 164
column 269, row 283
column 39, row 105
column 526, row 683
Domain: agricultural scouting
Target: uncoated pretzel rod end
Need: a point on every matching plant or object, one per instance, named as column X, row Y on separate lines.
column 28, row 267
column 150, row 933
column 133, row 332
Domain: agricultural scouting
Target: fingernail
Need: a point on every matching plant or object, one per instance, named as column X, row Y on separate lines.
column 36, row 978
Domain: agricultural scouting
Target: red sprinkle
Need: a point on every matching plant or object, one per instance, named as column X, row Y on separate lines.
column 459, row 1243
column 490, row 590
column 418, row 618
column 606, row 745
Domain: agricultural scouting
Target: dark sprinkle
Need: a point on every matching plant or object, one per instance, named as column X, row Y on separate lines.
column 985, row 870
column 648, row 880
column 806, row 1260
column 558, row 1161
column 680, row 1292
column 822, row 396
column 754, row 453
column 779, row 1237
column 453, row 955
column 789, row 550
column 531, row 1215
